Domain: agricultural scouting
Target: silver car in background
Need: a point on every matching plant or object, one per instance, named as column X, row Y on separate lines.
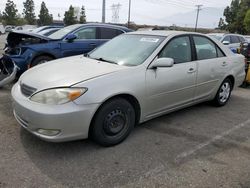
column 129, row 80
column 232, row 41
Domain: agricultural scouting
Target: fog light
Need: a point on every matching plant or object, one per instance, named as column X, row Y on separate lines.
column 48, row 132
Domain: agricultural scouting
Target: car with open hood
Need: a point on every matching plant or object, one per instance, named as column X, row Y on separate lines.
column 132, row 78
column 28, row 49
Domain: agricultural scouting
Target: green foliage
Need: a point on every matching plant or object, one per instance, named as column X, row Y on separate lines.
column 44, row 17
column 82, row 15
column 69, row 16
column 247, row 21
column 235, row 15
column 28, row 12
column 10, row 13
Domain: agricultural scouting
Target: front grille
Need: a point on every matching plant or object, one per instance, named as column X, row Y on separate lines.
column 27, row 90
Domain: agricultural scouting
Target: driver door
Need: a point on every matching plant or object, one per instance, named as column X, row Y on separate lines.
column 85, row 42
column 172, row 87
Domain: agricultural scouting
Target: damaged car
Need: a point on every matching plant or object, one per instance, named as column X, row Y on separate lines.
column 28, row 49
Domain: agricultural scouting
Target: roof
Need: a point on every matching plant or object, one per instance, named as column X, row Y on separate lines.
column 105, row 25
column 161, row 32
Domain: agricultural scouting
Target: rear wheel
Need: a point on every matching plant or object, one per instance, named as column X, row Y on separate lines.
column 224, row 93
column 40, row 60
column 113, row 122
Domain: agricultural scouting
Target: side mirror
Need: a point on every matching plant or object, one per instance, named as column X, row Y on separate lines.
column 163, row 62
column 225, row 42
column 244, row 44
column 71, row 37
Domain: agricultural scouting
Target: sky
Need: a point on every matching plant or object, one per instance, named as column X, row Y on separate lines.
column 154, row 12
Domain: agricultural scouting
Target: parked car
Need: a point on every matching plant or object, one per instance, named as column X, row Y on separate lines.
column 48, row 32
column 9, row 28
column 131, row 79
column 18, row 28
column 233, row 41
column 2, row 29
column 30, row 48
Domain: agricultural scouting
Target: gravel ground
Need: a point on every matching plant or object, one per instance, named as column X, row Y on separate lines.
column 201, row 146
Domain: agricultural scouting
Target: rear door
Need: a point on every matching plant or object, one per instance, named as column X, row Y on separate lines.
column 105, row 34
column 212, row 66
column 85, row 42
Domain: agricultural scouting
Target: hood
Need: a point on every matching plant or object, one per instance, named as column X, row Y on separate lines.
column 66, row 72
column 18, row 38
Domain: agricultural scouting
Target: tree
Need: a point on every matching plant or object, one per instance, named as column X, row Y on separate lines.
column 247, row 21
column 82, row 16
column 10, row 13
column 28, row 11
column 235, row 14
column 44, row 17
column 69, row 16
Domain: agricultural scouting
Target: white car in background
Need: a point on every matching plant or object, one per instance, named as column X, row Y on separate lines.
column 233, row 41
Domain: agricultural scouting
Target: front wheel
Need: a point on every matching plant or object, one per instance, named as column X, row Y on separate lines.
column 113, row 122
column 224, row 93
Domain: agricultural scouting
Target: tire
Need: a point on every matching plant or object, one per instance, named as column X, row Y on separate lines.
column 40, row 60
column 113, row 122
column 224, row 93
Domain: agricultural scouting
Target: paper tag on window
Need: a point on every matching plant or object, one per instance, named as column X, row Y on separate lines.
column 149, row 40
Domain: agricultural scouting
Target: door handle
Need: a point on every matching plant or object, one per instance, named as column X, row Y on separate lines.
column 224, row 64
column 191, row 70
column 92, row 44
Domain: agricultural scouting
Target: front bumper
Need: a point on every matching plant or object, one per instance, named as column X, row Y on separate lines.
column 71, row 119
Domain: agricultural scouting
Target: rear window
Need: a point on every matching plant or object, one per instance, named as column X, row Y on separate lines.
column 235, row 39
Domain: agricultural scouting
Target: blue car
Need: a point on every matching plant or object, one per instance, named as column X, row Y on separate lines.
column 30, row 49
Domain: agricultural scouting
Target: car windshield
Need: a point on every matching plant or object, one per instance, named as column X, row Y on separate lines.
column 63, row 32
column 128, row 50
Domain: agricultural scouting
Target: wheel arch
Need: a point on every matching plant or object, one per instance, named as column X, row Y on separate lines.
column 130, row 98
column 42, row 54
column 232, row 79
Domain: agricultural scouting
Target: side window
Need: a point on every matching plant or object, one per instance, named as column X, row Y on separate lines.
column 227, row 38
column 86, row 33
column 205, row 49
column 242, row 39
column 179, row 49
column 109, row 33
column 234, row 39
column 220, row 53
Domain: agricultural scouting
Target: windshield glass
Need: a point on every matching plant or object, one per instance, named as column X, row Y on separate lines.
column 129, row 50
column 64, row 31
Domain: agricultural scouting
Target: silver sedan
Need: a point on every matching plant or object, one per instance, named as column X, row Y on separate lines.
column 131, row 79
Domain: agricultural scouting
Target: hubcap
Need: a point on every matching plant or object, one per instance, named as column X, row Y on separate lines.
column 115, row 122
column 224, row 92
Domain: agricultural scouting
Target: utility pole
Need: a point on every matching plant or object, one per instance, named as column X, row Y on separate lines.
column 129, row 10
column 103, row 11
column 197, row 17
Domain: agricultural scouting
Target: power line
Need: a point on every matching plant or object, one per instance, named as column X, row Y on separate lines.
column 197, row 17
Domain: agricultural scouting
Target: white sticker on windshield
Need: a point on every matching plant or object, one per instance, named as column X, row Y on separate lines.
column 149, row 40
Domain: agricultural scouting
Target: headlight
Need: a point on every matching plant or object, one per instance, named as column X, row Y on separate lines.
column 57, row 96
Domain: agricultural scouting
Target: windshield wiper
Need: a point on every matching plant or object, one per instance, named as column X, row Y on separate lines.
column 105, row 60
